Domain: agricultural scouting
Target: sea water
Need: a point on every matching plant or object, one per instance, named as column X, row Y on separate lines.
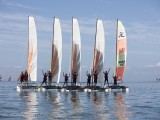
column 141, row 103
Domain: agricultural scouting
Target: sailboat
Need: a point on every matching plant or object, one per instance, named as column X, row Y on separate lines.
column 56, row 51
column 75, row 55
column 98, row 56
column 121, row 55
column 32, row 53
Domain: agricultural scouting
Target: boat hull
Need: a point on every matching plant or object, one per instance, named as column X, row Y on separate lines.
column 75, row 88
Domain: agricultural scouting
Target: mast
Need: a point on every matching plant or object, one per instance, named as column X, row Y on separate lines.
column 93, row 70
column 72, row 53
column 116, row 48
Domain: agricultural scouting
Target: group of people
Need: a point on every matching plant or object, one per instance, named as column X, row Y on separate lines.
column 45, row 75
column 89, row 78
column 23, row 78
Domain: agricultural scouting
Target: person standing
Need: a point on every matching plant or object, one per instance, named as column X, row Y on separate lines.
column 106, row 77
column 75, row 78
column 49, row 78
column 89, row 78
column 0, row 77
column 115, row 80
column 44, row 78
column 95, row 74
column 26, row 78
column 21, row 77
column 66, row 79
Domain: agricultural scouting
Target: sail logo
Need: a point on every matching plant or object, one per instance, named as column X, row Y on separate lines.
column 121, row 60
column 121, row 34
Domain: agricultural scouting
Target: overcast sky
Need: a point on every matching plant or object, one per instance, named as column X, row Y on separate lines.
column 141, row 19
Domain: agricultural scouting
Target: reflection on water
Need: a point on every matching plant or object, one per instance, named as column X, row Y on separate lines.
column 100, row 106
column 120, row 107
column 30, row 98
column 80, row 105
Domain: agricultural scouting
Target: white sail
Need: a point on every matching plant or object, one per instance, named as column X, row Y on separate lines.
column 56, row 51
column 98, row 60
column 76, row 49
column 32, row 50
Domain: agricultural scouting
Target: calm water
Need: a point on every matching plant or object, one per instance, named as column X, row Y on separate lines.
column 141, row 103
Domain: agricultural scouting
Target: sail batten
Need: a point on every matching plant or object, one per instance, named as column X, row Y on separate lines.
column 32, row 50
column 76, row 49
column 98, row 58
column 121, row 51
column 56, row 51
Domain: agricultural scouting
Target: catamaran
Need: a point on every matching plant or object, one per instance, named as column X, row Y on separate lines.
column 56, row 56
column 75, row 56
column 98, row 56
column 121, row 55
column 32, row 53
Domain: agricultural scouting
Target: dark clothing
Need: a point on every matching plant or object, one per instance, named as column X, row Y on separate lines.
column 66, row 80
column 44, row 79
column 89, row 79
column 21, row 78
column 115, row 80
column 49, row 78
column 74, row 78
column 26, row 78
column 95, row 78
column 106, row 78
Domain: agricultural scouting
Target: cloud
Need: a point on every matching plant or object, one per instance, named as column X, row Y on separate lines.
column 14, row 4
column 143, row 32
column 154, row 65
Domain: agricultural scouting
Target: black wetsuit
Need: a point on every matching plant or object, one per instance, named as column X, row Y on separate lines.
column 74, row 79
column 89, row 79
column 44, row 79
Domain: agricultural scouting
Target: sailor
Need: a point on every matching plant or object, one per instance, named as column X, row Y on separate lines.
column 95, row 74
column 9, row 79
column 106, row 77
column 44, row 78
column 49, row 78
column 0, row 77
column 21, row 77
column 75, row 78
column 115, row 80
column 89, row 78
column 26, row 77
column 66, row 79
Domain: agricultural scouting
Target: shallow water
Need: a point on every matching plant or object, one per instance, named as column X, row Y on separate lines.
column 141, row 103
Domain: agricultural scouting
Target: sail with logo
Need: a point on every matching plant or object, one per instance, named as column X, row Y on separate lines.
column 99, row 46
column 76, row 50
column 56, row 51
column 121, row 51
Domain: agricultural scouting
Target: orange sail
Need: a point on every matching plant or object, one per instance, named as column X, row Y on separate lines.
column 121, row 51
